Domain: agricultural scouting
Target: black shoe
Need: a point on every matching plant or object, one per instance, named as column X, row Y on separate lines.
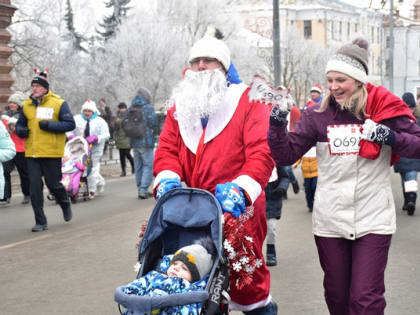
column 39, row 227
column 123, row 174
column 295, row 186
column 26, row 199
column 271, row 260
column 4, row 202
column 67, row 213
column 411, row 203
column 145, row 196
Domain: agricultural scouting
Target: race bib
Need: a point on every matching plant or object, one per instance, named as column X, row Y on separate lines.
column 344, row 139
column 44, row 113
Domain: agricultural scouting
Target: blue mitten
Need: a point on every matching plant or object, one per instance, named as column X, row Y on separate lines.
column 165, row 185
column 231, row 198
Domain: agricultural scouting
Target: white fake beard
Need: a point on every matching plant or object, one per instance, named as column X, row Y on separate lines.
column 200, row 94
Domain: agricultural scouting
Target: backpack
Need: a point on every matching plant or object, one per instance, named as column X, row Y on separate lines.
column 133, row 124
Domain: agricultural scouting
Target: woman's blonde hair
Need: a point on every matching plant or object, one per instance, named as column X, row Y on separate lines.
column 355, row 104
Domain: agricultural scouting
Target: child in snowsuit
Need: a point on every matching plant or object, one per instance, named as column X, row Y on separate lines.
column 182, row 272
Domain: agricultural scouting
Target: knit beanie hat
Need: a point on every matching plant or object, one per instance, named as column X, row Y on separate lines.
column 17, row 98
column 41, row 79
column 211, row 47
column 89, row 105
column 352, row 60
column 197, row 260
column 408, row 98
column 316, row 88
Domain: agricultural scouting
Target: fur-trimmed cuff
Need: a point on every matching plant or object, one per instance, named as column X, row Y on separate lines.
column 164, row 174
column 252, row 189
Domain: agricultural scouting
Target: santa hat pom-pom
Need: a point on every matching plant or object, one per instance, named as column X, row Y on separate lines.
column 36, row 70
column 361, row 42
column 46, row 70
column 214, row 32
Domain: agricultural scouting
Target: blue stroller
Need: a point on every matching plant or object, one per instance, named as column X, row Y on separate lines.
column 181, row 216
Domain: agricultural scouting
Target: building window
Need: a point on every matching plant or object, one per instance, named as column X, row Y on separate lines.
column 387, row 44
column 378, row 35
column 348, row 30
column 332, row 30
column 307, row 29
column 355, row 28
column 340, row 30
column 387, row 67
column 372, row 34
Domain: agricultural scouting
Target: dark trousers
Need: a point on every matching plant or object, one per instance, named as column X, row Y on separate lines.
column 125, row 153
column 310, row 188
column 354, row 273
column 20, row 162
column 50, row 169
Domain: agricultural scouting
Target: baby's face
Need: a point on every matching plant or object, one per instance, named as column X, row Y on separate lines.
column 180, row 270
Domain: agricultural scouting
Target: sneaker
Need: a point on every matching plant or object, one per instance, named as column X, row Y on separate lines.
column 4, row 202
column 91, row 195
column 67, row 213
column 26, row 199
column 145, row 195
column 295, row 186
column 123, row 174
column 270, row 309
column 39, row 227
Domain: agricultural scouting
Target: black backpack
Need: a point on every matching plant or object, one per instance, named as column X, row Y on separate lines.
column 133, row 124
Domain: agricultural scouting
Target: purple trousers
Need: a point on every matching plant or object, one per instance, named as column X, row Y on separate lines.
column 354, row 273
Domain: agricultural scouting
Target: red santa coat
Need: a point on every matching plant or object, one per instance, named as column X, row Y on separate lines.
column 234, row 149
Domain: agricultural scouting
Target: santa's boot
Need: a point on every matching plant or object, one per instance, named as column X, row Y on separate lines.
column 411, row 202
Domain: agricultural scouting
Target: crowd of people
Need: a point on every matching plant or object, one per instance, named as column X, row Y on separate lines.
column 345, row 139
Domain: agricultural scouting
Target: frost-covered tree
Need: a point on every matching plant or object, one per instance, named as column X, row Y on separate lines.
column 110, row 23
column 73, row 36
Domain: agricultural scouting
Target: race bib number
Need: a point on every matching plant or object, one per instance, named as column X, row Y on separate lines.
column 44, row 113
column 344, row 139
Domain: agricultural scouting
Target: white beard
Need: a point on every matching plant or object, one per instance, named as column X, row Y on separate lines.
column 200, row 94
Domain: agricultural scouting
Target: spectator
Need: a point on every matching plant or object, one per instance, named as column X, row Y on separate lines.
column 44, row 120
column 354, row 212
column 91, row 126
column 143, row 142
column 408, row 168
column 214, row 138
column 7, row 152
column 122, row 142
column 10, row 118
column 316, row 96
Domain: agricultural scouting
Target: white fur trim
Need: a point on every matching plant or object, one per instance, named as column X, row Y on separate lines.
column 316, row 89
column 410, row 186
column 211, row 47
column 343, row 67
column 165, row 174
column 233, row 306
column 250, row 185
column 217, row 122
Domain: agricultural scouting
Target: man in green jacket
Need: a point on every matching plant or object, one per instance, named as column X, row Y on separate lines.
column 45, row 119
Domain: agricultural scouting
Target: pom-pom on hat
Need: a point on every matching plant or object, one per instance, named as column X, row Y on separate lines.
column 317, row 88
column 352, row 60
column 17, row 98
column 212, row 47
column 196, row 258
column 89, row 105
column 41, row 78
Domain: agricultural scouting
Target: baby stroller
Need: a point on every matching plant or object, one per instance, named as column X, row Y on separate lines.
column 75, row 167
column 181, row 216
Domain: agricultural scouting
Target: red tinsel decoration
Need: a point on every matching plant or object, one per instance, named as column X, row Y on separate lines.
column 239, row 248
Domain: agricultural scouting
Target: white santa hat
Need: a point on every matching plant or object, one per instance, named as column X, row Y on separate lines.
column 211, row 47
column 89, row 105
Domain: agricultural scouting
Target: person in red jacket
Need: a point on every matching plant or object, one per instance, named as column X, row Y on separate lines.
column 215, row 138
column 9, row 119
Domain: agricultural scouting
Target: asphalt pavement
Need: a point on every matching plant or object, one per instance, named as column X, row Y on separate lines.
column 74, row 267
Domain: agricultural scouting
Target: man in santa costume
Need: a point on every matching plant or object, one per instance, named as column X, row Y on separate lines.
column 215, row 138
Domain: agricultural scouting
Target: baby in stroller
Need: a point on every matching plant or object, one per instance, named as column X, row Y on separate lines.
column 74, row 165
column 187, row 222
column 185, row 271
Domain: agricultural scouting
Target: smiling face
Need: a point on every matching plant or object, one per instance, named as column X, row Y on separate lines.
column 87, row 113
column 341, row 86
column 180, row 270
